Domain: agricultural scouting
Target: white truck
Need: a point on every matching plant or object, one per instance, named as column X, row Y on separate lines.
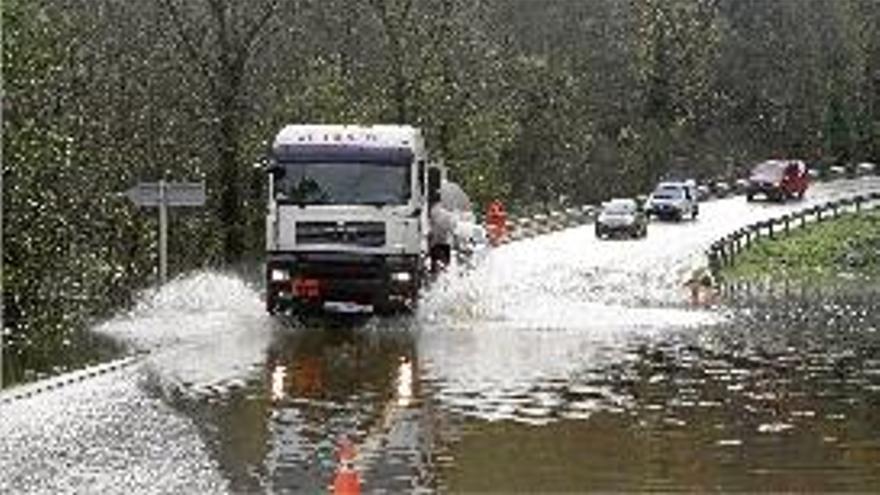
column 352, row 218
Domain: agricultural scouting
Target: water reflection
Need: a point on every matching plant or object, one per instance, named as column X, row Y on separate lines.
column 780, row 395
column 279, row 374
column 325, row 383
column 404, row 383
column 353, row 382
column 783, row 397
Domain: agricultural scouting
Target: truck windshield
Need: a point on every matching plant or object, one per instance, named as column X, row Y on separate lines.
column 342, row 183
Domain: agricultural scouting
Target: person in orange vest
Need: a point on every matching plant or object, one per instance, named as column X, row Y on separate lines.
column 496, row 222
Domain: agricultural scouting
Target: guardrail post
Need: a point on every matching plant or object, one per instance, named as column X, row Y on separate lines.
column 858, row 201
column 163, row 232
column 818, row 214
column 714, row 265
column 770, row 228
column 786, row 220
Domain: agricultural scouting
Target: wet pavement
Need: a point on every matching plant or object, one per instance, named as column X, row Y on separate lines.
column 561, row 363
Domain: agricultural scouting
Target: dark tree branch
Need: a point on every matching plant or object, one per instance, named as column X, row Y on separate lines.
column 252, row 33
column 219, row 12
column 189, row 46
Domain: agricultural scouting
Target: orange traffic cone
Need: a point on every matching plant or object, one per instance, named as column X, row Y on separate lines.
column 347, row 480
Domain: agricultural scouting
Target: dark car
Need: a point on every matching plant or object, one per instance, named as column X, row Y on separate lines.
column 622, row 217
column 778, row 180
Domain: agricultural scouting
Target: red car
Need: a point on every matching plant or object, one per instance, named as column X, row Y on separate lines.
column 778, row 180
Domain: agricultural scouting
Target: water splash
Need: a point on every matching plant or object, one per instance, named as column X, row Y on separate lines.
column 206, row 332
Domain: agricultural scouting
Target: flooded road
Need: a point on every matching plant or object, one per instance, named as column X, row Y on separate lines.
column 784, row 396
column 561, row 363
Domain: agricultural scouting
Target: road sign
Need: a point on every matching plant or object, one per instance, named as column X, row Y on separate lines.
column 164, row 194
column 176, row 193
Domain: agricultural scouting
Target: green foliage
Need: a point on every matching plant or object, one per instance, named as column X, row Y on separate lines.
column 849, row 245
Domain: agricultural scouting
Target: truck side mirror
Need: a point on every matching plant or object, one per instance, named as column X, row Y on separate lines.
column 434, row 180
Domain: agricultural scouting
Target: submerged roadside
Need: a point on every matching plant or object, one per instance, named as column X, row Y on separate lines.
column 60, row 343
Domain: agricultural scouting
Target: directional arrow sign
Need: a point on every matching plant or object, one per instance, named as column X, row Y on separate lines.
column 176, row 193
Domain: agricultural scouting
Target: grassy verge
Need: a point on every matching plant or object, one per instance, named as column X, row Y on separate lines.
column 849, row 245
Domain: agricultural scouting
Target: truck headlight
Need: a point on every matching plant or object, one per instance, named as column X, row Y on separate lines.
column 401, row 277
column 279, row 275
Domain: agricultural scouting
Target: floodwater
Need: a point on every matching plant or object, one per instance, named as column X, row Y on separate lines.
column 560, row 363
column 77, row 348
column 784, row 395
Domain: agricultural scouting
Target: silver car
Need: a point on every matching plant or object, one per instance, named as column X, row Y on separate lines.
column 674, row 201
column 622, row 217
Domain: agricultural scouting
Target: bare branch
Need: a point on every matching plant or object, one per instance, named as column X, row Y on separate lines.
column 407, row 7
column 218, row 10
column 252, row 32
column 188, row 44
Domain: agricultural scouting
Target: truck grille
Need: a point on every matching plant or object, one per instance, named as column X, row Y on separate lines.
column 367, row 234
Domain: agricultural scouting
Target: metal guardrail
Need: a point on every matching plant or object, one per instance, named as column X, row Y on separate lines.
column 31, row 389
column 723, row 252
column 545, row 223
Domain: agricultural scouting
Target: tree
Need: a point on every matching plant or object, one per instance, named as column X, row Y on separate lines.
column 220, row 37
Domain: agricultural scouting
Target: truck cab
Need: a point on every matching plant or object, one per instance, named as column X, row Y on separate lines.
column 348, row 220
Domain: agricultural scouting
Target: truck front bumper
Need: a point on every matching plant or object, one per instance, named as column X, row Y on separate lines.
column 303, row 281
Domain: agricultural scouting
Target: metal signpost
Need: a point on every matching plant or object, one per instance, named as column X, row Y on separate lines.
column 162, row 195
